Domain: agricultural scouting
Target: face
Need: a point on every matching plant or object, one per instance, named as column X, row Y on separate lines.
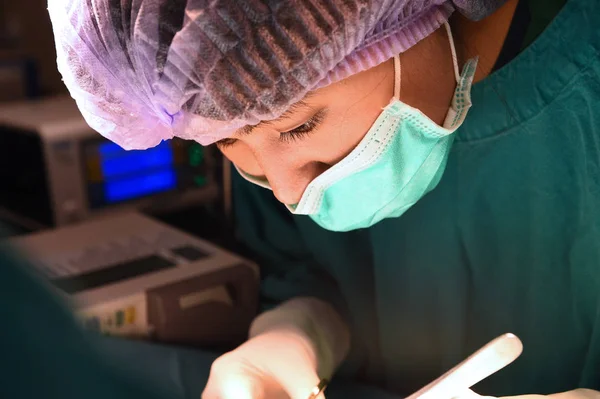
column 313, row 135
column 328, row 124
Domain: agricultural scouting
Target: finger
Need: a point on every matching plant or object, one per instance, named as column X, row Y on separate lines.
column 526, row 397
column 470, row 394
column 275, row 390
column 577, row 394
column 233, row 386
column 241, row 388
column 298, row 382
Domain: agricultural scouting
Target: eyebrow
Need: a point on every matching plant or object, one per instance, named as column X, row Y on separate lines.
column 288, row 114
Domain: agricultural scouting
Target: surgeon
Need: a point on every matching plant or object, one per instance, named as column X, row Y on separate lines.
column 416, row 177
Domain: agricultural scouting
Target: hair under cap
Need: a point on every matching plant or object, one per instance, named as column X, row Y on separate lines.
column 142, row 71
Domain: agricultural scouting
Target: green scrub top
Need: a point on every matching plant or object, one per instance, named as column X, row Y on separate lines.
column 508, row 242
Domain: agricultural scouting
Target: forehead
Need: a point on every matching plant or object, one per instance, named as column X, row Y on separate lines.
column 353, row 87
column 337, row 96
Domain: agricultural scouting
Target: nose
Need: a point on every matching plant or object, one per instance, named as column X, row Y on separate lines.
column 289, row 183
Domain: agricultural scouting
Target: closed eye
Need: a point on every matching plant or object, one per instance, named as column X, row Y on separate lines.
column 225, row 143
column 305, row 129
column 296, row 133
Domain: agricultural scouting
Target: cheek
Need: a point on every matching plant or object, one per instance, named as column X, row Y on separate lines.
column 354, row 117
column 241, row 155
column 349, row 129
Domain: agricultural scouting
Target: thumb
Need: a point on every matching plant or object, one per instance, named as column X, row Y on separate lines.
column 234, row 386
column 469, row 394
column 298, row 382
column 580, row 393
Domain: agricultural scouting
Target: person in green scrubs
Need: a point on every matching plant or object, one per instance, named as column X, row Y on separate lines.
column 507, row 242
column 400, row 235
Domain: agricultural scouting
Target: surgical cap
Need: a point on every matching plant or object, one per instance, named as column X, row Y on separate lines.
column 143, row 71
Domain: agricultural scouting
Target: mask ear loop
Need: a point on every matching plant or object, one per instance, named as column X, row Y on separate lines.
column 453, row 51
column 397, row 76
column 398, row 67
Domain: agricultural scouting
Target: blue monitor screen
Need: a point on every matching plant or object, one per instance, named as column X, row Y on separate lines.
column 132, row 174
column 117, row 162
column 138, row 186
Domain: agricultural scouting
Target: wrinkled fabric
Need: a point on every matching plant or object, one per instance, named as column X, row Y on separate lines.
column 477, row 9
column 143, row 71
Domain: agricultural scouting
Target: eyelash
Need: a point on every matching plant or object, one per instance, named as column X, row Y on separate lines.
column 225, row 143
column 290, row 136
column 303, row 130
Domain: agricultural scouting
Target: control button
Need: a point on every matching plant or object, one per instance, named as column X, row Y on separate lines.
column 120, row 318
column 189, row 252
column 130, row 315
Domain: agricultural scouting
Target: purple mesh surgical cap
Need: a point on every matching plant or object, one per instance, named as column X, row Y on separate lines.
column 142, row 71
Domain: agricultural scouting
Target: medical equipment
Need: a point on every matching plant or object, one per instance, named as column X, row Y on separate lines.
column 491, row 358
column 18, row 76
column 56, row 170
column 132, row 276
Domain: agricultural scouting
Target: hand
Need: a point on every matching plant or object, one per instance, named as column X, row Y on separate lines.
column 277, row 364
column 574, row 394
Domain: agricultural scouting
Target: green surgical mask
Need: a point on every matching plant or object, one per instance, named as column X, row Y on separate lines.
column 401, row 158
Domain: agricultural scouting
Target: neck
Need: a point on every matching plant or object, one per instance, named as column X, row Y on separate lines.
column 427, row 73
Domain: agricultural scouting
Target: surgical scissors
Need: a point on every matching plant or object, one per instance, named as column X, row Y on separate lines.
column 491, row 358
